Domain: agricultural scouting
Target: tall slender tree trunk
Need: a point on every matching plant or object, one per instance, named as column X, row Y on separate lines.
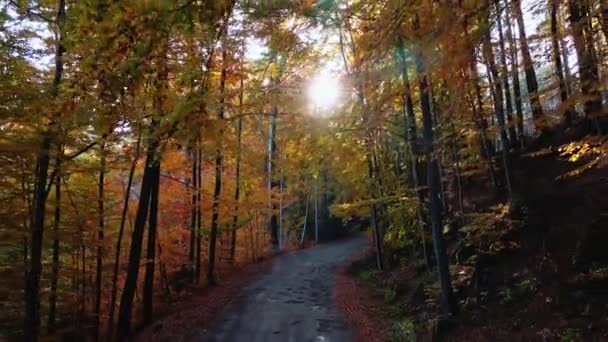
column 281, row 234
column 447, row 297
column 199, row 219
column 79, row 285
column 100, row 231
column 121, row 229
column 27, row 202
column 83, row 278
column 215, row 217
column 196, row 188
column 163, row 268
column 305, row 225
column 374, row 213
column 478, row 109
column 457, row 171
column 482, row 124
column 519, row 109
column 531, row 80
column 55, row 271
column 500, row 118
column 377, row 168
column 409, row 115
column 412, row 138
column 74, row 280
column 237, row 180
column 354, row 71
column 567, row 71
column 604, row 21
column 215, row 209
column 557, row 59
column 148, row 295
column 32, row 286
column 126, row 302
column 251, row 242
column 505, row 76
column 583, row 43
column 590, row 42
column 435, row 112
column 158, row 103
column 272, row 182
column 317, row 208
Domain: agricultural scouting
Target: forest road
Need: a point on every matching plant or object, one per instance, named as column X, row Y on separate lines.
column 292, row 302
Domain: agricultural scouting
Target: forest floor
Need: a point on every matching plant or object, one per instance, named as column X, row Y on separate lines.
column 358, row 306
column 286, row 298
column 536, row 270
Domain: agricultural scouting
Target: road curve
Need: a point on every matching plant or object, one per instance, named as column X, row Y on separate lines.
column 291, row 303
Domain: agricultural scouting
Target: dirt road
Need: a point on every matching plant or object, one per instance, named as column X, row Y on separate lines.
column 292, row 302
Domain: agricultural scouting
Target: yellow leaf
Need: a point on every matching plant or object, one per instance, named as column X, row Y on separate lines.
column 274, row 70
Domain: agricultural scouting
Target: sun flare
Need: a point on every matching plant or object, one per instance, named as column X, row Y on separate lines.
column 324, row 90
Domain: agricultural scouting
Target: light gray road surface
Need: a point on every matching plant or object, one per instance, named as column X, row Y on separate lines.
column 291, row 303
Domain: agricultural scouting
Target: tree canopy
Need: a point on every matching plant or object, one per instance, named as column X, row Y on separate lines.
column 169, row 137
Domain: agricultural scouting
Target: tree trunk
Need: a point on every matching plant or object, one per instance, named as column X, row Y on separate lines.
column 435, row 112
column 604, row 21
column 531, row 80
column 83, row 278
column 583, row 43
column 193, row 210
column 374, row 215
column 32, row 286
column 557, row 59
column 237, row 180
column 456, row 160
column 237, row 190
column 305, row 219
column 590, row 41
column 519, row 109
column 281, row 233
column 79, row 283
column 126, row 302
column 55, row 270
column 487, row 144
column 482, row 124
column 158, row 102
column 408, row 111
column 199, row 220
column 251, row 243
column 148, row 295
column 100, row 231
column 447, row 297
column 377, row 168
column 567, row 70
column 368, row 138
column 121, row 229
column 411, row 136
column 317, row 208
column 27, row 202
column 215, row 210
column 163, row 268
column 215, row 217
column 505, row 76
column 272, row 182
column 500, row 118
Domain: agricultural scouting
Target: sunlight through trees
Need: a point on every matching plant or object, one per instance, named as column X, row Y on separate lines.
column 149, row 148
